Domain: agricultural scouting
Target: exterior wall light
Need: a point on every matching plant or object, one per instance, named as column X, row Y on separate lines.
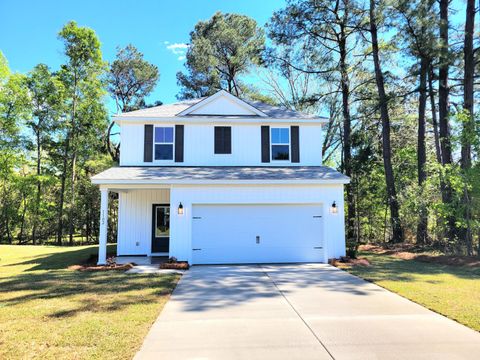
column 333, row 208
column 180, row 209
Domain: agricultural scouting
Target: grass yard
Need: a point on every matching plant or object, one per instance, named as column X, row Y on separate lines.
column 453, row 291
column 50, row 312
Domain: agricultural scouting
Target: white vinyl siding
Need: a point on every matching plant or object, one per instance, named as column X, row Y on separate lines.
column 199, row 146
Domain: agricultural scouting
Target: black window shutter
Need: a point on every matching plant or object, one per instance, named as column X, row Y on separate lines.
column 265, row 144
column 179, row 143
column 148, row 144
column 223, row 140
column 228, row 140
column 217, row 140
column 294, row 133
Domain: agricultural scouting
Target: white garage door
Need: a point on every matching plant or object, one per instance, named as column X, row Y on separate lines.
column 229, row 234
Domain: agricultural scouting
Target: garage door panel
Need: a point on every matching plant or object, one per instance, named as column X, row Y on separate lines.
column 228, row 233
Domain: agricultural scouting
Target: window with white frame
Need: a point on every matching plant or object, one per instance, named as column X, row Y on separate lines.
column 280, row 143
column 163, row 143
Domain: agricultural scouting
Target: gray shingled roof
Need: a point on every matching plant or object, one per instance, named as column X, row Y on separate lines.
column 166, row 110
column 174, row 174
column 171, row 110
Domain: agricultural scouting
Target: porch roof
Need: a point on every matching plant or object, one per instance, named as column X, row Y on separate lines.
column 219, row 174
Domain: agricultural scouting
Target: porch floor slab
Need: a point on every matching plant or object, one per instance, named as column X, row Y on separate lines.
column 141, row 260
column 152, row 269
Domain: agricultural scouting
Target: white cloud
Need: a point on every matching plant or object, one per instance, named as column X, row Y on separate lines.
column 179, row 49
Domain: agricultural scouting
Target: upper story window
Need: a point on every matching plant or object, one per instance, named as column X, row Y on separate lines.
column 223, row 140
column 163, row 143
column 280, row 143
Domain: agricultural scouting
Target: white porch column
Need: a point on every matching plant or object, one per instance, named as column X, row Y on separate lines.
column 102, row 240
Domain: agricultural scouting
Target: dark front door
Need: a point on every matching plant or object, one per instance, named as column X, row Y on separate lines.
column 160, row 228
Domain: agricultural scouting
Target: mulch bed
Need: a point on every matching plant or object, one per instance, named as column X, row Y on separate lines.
column 346, row 261
column 411, row 252
column 181, row 265
column 91, row 265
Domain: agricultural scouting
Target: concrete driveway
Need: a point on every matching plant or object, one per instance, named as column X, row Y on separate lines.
column 310, row 311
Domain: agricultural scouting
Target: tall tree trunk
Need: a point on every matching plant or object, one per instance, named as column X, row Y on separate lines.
column 443, row 90
column 469, row 124
column 21, row 235
column 397, row 232
column 469, row 68
column 433, row 107
column 71, row 228
column 438, row 152
column 62, row 190
column 5, row 215
column 71, row 213
column 39, row 187
column 421, row 151
column 444, row 133
column 352, row 236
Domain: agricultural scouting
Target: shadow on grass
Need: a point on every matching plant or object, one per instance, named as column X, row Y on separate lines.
column 90, row 291
column 82, row 291
column 64, row 259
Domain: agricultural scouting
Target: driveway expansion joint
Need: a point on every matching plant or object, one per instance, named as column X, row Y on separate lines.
column 295, row 310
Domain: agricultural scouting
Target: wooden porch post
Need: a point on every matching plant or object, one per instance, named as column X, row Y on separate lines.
column 102, row 240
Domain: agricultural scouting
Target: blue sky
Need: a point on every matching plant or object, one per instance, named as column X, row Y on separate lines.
column 29, row 30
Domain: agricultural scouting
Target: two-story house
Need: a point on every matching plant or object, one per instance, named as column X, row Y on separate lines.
column 221, row 180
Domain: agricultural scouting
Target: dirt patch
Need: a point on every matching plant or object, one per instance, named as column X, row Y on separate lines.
column 412, row 252
column 469, row 261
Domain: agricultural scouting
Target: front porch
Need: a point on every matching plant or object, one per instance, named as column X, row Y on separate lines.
column 143, row 228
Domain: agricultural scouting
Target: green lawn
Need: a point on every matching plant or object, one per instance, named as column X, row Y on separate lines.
column 453, row 291
column 50, row 312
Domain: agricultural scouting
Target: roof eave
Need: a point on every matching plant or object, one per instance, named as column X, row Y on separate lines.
column 141, row 119
column 219, row 182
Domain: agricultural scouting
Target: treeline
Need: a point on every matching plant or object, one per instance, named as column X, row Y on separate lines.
column 55, row 134
column 397, row 79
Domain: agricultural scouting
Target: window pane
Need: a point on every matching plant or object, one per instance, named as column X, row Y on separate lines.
column 169, row 134
column 163, row 152
column 284, row 136
column 280, row 136
column 280, row 152
column 162, row 221
column 275, row 136
column 159, row 134
column 164, row 134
